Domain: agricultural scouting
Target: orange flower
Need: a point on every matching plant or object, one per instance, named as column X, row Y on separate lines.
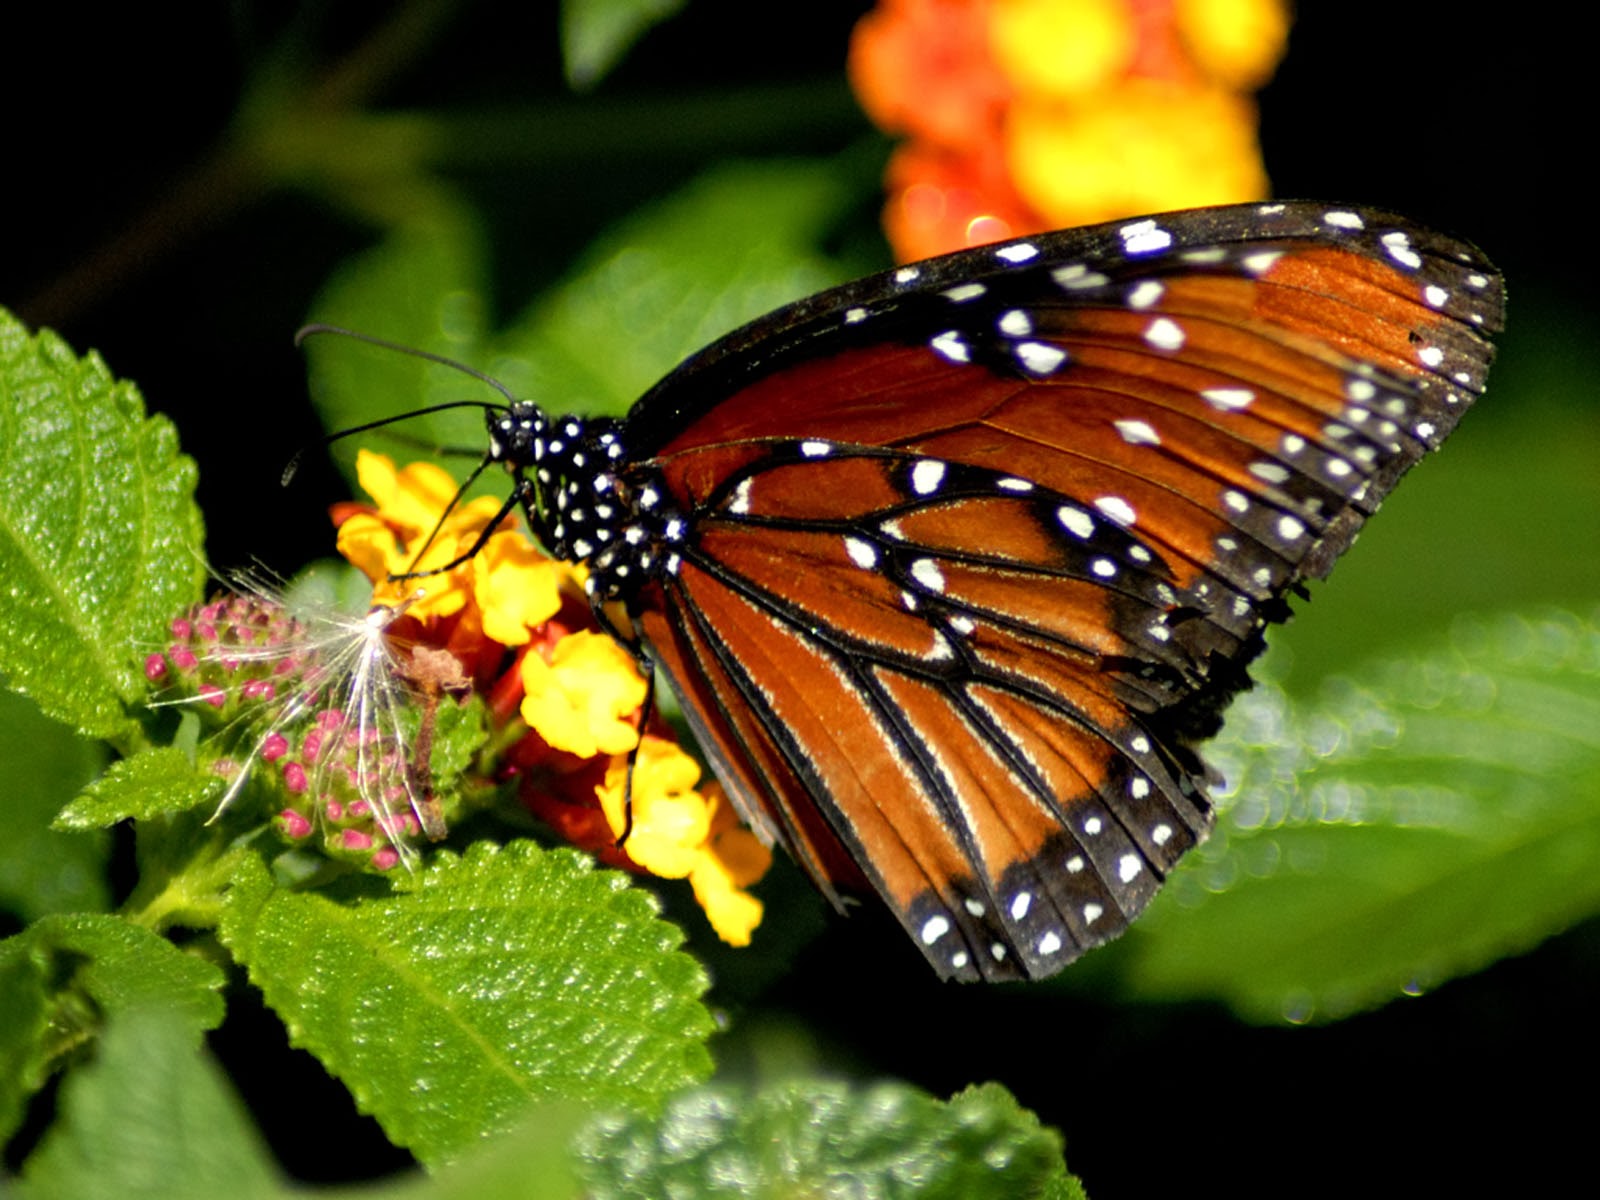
column 923, row 67
column 578, row 692
column 1033, row 114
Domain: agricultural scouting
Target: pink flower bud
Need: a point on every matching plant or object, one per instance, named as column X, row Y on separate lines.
column 155, row 666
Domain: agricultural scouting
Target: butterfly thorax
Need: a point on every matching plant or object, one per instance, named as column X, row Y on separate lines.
column 584, row 501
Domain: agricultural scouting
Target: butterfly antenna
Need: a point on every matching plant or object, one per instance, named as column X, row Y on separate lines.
column 306, row 331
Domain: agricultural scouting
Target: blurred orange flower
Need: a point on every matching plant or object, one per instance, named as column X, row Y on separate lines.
column 1024, row 115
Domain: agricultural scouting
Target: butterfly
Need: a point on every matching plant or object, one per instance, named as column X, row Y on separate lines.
column 955, row 566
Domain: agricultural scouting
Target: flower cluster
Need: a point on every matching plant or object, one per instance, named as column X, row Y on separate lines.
column 564, row 700
column 318, row 702
column 1026, row 115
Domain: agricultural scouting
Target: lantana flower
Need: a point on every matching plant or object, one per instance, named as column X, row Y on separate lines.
column 567, row 699
column 1024, row 115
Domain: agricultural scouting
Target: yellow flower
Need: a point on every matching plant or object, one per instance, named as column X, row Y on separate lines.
column 580, row 692
column 517, row 587
column 1142, row 147
column 1237, row 42
column 1062, row 49
column 513, row 586
column 579, row 700
column 680, row 832
column 1067, row 111
column 387, row 542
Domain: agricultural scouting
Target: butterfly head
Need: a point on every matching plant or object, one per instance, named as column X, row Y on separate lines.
column 584, row 502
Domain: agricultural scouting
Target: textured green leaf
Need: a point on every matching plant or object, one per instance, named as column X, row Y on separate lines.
column 42, row 870
column 595, row 34
column 150, row 1117
column 1416, row 825
column 64, row 975
column 99, row 535
column 827, row 1139
column 157, row 781
column 509, row 976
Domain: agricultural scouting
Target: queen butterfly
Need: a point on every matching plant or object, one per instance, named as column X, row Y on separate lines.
column 953, row 567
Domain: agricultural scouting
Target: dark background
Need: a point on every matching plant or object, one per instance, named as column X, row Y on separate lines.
column 193, row 290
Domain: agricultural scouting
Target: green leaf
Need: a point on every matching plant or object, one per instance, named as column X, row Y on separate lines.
column 100, row 538
column 509, row 976
column 42, row 870
column 595, row 34
column 151, row 1116
column 420, row 287
column 157, row 781
column 730, row 246
column 827, row 1139
column 733, row 244
column 64, row 975
column 1436, row 815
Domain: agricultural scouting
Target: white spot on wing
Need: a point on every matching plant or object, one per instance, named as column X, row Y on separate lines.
column 1118, row 509
column 1020, row 253
column 951, row 345
column 863, row 554
column 964, row 291
column 1137, row 433
column 1228, row 399
column 1076, row 276
column 926, row 476
column 1144, row 237
column 1039, row 357
column 1075, row 521
column 1341, row 219
column 1015, row 323
column 1165, row 334
column 926, row 572
column 1399, row 247
column 1143, row 295
column 1261, row 262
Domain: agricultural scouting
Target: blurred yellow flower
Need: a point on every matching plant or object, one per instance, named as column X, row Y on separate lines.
column 1026, row 115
